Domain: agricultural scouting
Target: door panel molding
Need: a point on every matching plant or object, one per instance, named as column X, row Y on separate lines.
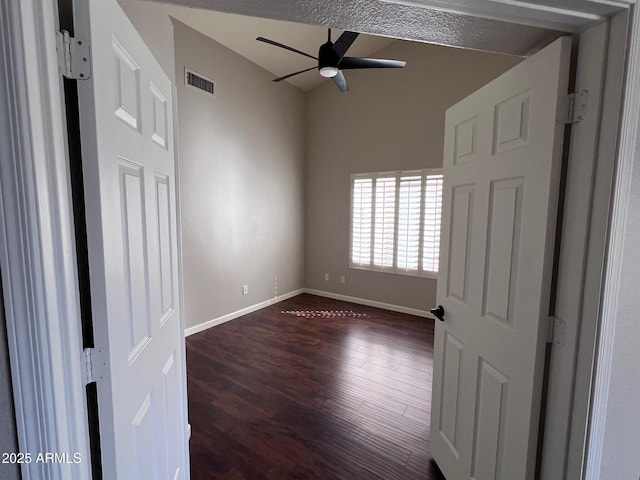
column 131, row 220
column 508, row 248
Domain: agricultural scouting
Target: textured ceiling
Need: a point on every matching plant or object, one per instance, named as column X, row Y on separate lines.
column 239, row 32
column 563, row 15
column 405, row 21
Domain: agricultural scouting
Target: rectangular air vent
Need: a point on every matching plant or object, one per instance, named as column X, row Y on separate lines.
column 195, row 80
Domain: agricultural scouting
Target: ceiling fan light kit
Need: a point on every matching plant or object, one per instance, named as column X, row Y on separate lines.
column 331, row 59
column 329, row 72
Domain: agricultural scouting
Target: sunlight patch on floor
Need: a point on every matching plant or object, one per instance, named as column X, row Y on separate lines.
column 325, row 313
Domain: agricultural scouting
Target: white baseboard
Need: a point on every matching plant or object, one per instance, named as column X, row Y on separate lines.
column 336, row 296
column 230, row 316
column 369, row 303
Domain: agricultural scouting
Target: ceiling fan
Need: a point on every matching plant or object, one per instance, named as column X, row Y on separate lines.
column 331, row 59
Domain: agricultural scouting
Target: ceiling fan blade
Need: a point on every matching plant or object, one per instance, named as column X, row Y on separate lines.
column 341, row 82
column 344, row 42
column 292, row 74
column 291, row 49
column 352, row 63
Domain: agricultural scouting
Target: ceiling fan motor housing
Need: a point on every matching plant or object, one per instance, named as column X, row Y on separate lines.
column 327, row 56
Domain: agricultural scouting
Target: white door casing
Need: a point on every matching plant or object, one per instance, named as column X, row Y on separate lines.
column 583, row 219
column 126, row 115
column 502, row 161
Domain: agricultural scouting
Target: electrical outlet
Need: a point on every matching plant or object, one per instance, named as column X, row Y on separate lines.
column 326, row 277
column 342, row 279
column 245, row 289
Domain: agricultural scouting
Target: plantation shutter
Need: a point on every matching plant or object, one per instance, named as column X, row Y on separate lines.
column 361, row 218
column 431, row 225
column 395, row 221
column 384, row 229
column 409, row 205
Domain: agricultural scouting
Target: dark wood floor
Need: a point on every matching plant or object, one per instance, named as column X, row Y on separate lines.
column 312, row 388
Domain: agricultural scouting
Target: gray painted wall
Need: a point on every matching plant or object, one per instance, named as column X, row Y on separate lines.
column 8, row 439
column 620, row 456
column 391, row 119
column 242, row 181
column 154, row 26
column 403, row 128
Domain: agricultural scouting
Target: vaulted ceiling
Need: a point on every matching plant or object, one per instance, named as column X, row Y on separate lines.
column 239, row 32
column 514, row 27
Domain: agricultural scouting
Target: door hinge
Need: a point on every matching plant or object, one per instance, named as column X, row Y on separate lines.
column 74, row 56
column 572, row 108
column 557, row 331
column 94, row 365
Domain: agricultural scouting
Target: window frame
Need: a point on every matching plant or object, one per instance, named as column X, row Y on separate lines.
column 397, row 174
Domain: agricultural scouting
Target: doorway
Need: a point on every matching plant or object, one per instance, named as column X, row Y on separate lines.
column 353, row 120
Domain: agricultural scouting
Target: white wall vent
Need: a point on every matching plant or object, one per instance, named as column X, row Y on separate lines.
column 199, row 82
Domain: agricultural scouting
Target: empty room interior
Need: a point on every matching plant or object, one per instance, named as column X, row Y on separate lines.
column 285, row 380
column 308, row 387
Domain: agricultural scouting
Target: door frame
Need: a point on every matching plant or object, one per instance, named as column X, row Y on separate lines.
column 37, row 245
column 586, row 207
column 37, row 248
column 598, row 350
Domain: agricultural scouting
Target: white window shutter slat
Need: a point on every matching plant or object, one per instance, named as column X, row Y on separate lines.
column 409, row 223
column 431, row 223
column 384, row 226
column 361, row 219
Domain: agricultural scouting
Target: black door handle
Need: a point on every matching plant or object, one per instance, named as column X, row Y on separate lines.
column 438, row 313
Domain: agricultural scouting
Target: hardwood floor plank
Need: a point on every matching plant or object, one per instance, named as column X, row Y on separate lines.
column 312, row 388
column 400, row 430
column 421, row 415
column 417, row 380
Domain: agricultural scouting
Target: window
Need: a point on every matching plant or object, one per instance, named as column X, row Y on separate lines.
column 395, row 221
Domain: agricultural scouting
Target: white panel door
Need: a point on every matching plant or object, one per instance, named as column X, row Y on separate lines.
column 126, row 113
column 502, row 161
